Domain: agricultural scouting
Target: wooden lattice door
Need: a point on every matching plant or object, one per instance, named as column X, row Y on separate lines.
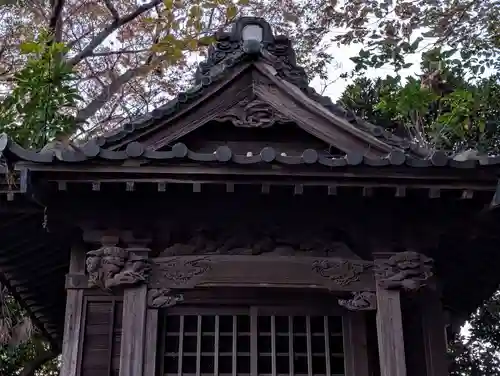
column 251, row 343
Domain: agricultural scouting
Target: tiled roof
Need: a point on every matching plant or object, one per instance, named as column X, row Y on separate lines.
column 91, row 151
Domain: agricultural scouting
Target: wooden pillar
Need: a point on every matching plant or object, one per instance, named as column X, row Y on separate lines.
column 405, row 271
column 157, row 299
column 355, row 344
column 74, row 310
column 389, row 321
column 132, row 354
column 434, row 334
column 390, row 333
column 151, row 342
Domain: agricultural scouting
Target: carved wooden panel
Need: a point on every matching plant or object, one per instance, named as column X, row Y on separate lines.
column 261, row 271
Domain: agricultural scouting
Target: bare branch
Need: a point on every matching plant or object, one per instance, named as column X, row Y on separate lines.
column 77, row 40
column 106, row 32
column 97, row 103
column 55, row 21
column 112, row 9
column 119, row 52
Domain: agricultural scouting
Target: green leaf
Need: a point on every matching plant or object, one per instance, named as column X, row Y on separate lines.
column 231, row 12
column 30, row 47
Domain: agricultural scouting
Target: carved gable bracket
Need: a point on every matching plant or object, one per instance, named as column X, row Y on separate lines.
column 252, row 113
column 112, row 266
column 163, row 298
column 361, row 301
column 405, row 270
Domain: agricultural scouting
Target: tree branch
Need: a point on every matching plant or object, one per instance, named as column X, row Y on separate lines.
column 30, row 368
column 112, row 9
column 106, row 32
column 119, row 52
column 55, row 20
column 97, row 103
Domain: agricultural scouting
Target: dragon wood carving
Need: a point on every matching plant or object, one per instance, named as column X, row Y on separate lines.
column 112, row 266
column 361, row 301
column 252, row 113
column 342, row 272
column 179, row 272
column 163, row 298
column 268, row 241
column 406, row 270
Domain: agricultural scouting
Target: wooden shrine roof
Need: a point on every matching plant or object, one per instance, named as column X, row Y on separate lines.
column 246, row 86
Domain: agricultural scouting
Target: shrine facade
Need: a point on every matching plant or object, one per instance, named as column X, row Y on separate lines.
column 249, row 227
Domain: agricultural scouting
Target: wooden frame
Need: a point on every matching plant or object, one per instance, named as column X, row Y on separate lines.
column 352, row 325
column 262, row 271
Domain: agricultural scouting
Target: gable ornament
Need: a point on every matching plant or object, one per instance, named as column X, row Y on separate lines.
column 112, row 266
column 252, row 113
column 405, row 270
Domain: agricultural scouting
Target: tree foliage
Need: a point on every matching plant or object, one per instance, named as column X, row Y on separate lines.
column 445, row 110
column 42, row 101
column 23, row 351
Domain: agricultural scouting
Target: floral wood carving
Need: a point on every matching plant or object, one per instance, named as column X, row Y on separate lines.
column 361, row 301
column 405, row 270
column 112, row 266
column 342, row 272
column 179, row 271
column 253, row 113
column 163, row 298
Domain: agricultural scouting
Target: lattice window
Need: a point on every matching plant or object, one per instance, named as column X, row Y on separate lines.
column 251, row 345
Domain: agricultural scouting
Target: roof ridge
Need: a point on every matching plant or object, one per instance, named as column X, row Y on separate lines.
column 230, row 50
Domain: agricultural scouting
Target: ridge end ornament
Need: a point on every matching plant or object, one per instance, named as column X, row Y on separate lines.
column 342, row 272
column 361, row 301
column 112, row 266
column 163, row 298
column 405, row 270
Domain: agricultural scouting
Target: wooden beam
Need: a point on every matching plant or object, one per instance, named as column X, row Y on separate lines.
column 73, row 318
